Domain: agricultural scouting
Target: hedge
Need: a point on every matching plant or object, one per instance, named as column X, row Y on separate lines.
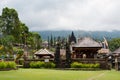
column 41, row 64
column 83, row 65
column 5, row 65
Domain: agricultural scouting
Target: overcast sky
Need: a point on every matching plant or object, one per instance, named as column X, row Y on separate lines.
column 67, row 14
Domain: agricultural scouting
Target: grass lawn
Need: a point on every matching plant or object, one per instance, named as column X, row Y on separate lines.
column 48, row 74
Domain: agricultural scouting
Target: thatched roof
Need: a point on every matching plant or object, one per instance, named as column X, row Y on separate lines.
column 87, row 42
column 117, row 51
column 43, row 52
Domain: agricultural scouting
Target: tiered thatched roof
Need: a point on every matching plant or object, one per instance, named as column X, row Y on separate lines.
column 87, row 42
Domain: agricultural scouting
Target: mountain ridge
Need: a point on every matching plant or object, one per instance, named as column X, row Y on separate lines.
column 94, row 34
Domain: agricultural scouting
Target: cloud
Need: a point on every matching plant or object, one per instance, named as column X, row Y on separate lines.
column 67, row 14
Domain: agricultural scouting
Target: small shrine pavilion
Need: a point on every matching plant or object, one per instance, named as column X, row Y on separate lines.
column 43, row 53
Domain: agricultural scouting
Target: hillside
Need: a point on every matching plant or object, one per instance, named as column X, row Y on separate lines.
column 94, row 34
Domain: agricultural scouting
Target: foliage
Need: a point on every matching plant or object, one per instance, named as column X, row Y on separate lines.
column 72, row 38
column 11, row 23
column 41, row 64
column 19, row 54
column 81, row 65
column 57, row 56
column 6, row 43
column 34, row 39
column 114, row 44
column 13, row 31
column 51, row 41
column 4, row 65
column 24, row 31
column 38, row 64
column 10, row 65
column 68, row 55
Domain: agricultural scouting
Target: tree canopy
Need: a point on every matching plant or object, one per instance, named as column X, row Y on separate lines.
column 114, row 44
column 13, row 31
column 10, row 22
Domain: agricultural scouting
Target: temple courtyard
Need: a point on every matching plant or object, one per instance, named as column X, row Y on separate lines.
column 51, row 74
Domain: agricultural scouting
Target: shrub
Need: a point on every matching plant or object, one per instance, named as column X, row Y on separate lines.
column 81, row 65
column 10, row 65
column 76, row 65
column 96, row 65
column 32, row 65
column 41, row 64
column 4, row 65
column 49, row 65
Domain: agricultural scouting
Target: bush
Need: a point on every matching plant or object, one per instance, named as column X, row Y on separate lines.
column 10, row 65
column 49, row 65
column 41, row 64
column 81, row 65
column 76, row 65
column 4, row 65
column 33, row 65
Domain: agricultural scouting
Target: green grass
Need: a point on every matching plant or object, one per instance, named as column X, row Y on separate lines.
column 48, row 74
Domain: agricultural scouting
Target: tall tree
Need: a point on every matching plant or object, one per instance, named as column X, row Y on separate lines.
column 72, row 38
column 10, row 22
column 48, row 42
column 68, row 55
column 54, row 42
column 51, row 40
column 57, row 55
column 1, row 24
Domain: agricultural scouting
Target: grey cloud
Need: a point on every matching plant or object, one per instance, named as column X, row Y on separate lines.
column 67, row 14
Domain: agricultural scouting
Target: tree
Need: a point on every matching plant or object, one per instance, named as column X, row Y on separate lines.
column 48, row 42
column 57, row 55
column 114, row 44
column 7, row 42
column 68, row 55
column 10, row 22
column 24, row 32
column 34, row 39
column 54, row 42
column 51, row 41
column 1, row 24
column 72, row 38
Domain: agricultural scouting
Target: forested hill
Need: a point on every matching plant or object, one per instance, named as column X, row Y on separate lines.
column 94, row 34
